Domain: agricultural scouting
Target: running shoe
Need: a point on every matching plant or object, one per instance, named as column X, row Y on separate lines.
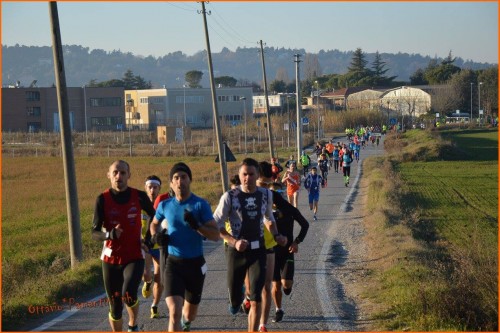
column 186, row 325
column 133, row 329
column 262, row 329
column 278, row 316
column 245, row 306
column 315, row 218
column 234, row 310
column 154, row 312
column 146, row 289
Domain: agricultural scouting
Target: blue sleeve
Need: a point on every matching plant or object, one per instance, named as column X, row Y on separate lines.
column 159, row 215
column 205, row 212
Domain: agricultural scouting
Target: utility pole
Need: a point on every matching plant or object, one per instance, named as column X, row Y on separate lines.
column 299, row 107
column 222, row 160
column 269, row 130
column 75, row 240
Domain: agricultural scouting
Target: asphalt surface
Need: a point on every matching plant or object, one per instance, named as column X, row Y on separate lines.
column 318, row 301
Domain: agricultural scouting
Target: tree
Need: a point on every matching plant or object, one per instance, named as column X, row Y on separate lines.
column 193, row 78
column 278, row 86
column 378, row 71
column 282, row 75
column 226, row 81
column 357, row 73
column 418, row 78
column 441, row 73
column 312, row 68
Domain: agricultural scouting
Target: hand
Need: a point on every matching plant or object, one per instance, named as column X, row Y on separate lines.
column 148, row 243
column 116, row 232
column 281, row 240
column 294, row 248
column 161, row 238
column 241, row 245
column 191, row 220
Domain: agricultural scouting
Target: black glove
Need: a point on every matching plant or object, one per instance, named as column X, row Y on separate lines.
column 148, row 242
column 161, row 238
column 191, row 220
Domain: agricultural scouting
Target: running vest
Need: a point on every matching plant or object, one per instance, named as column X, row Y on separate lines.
column 127, row 248
column 251, row 215
column 305, row 160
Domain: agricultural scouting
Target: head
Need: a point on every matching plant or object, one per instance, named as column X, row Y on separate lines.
column 273, row 160
column 265, row 174
column 292, row 167
column 248, row 174
column 314, row 170
column 235, row 181
column 119, row 174
column 180, row 180
column 152, row 186
column 291, row 157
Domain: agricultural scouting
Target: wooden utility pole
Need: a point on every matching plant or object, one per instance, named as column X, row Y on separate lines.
column 299, row 107
column 269, row 129
column 222, row 159
column 75, row 241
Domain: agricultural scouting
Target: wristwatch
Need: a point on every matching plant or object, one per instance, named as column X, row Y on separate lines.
column 107, row 235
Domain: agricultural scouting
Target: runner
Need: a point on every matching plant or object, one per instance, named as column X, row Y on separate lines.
column 330, row 147
column 292, row 180
column 117, row 210
column 305, row 161
column 185, row 220
column 290, row 161
column 312, row 184
column 336, row 159
column 152, row 187
column 249, row 210
column 323, row 167
column 284, row 267
column 276, row 168
column 346, row 166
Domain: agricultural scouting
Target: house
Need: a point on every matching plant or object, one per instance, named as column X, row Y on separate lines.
column 36, row 109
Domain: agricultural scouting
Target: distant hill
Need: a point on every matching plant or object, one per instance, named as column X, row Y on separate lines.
column 28, row 63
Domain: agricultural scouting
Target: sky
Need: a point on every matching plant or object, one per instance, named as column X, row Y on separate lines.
column 468, row 29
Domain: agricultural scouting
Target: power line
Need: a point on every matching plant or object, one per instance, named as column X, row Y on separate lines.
column 188, row 8
column 236, row 33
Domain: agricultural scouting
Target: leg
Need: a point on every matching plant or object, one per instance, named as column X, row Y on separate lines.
column 131, row 279
column 266, row 292
column 257, row 274
column 174, row 304
column 113, row 282
column 157, row 288
column 296, row 199
column 147, row 276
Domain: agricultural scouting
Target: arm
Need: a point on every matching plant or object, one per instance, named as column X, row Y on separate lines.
column 239, row 244
column 270, row 223
column 98, row 221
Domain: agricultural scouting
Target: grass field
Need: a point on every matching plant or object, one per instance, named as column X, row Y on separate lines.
column 35, row 247
column 434, row 231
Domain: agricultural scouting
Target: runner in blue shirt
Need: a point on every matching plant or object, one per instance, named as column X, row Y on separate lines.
column 313, row 183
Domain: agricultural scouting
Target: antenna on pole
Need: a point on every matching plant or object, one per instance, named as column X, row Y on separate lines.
column 299, row 107
column 75, row 240
column 222, row 160
column 268, row 116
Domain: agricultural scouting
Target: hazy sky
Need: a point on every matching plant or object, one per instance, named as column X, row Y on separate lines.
column 468, row 29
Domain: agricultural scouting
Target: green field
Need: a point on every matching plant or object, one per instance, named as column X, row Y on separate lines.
column 442, row 230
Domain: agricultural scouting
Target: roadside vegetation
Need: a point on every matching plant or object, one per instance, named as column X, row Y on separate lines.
column 432, row 228
column 35, row 250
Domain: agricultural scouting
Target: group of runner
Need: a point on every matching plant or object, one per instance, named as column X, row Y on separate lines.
column 139, row 228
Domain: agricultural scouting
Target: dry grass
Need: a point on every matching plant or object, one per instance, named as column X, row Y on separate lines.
column 431, row 271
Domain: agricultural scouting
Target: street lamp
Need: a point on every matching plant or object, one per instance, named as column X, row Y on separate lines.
column 243, row 98
column 471, row 101
column 479, row 102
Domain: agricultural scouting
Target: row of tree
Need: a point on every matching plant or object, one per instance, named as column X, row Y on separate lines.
column 457, row 90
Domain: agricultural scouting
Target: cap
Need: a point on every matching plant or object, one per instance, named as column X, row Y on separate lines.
column 181, row 166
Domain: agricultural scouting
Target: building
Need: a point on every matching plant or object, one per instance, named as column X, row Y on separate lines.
column 405, row 100
column 191, row 107
column 35, row 109
column 277, row 104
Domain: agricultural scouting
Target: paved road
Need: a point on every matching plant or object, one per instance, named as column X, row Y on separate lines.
column 317, row 303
